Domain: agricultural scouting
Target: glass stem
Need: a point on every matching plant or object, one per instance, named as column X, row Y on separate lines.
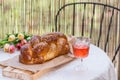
column 81, row 60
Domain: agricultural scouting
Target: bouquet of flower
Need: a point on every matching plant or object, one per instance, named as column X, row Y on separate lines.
column 14, row 40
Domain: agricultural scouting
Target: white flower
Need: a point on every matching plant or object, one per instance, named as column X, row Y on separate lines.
column 6, row 47
column 11, row 38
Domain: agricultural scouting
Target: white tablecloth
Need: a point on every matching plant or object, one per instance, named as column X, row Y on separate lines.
column 97, row 66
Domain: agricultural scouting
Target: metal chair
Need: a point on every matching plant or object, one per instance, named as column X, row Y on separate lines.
column 105, row 32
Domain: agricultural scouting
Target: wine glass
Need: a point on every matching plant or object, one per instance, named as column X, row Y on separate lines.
column 81, row 50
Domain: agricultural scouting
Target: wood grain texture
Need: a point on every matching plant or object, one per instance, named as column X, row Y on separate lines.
column 13, row 69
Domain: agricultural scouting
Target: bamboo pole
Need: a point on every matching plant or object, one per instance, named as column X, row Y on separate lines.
column 1, row 21
column 119, row 50
column 2, row 30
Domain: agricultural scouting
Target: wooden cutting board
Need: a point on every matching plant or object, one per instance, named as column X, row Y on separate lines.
column 14, row 69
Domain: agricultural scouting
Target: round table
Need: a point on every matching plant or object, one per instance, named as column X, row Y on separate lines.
column 97, row 66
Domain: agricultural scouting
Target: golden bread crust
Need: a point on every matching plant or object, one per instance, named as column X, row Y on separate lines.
column 44, row 48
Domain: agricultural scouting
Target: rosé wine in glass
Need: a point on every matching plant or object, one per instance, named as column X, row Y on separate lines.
column 81, row 49
column 81, row 52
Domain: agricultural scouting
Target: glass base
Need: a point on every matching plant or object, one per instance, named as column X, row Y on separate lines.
column 80, row 66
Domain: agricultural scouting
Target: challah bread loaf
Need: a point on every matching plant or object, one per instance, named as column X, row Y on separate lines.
column 44, row 48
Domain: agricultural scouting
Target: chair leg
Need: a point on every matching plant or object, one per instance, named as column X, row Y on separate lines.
column 116, row 52
column 119, row 68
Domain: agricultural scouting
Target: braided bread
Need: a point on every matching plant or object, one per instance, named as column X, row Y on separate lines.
column 43, row 48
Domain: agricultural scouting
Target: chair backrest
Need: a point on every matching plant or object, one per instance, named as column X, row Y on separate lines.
column 98, row 21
